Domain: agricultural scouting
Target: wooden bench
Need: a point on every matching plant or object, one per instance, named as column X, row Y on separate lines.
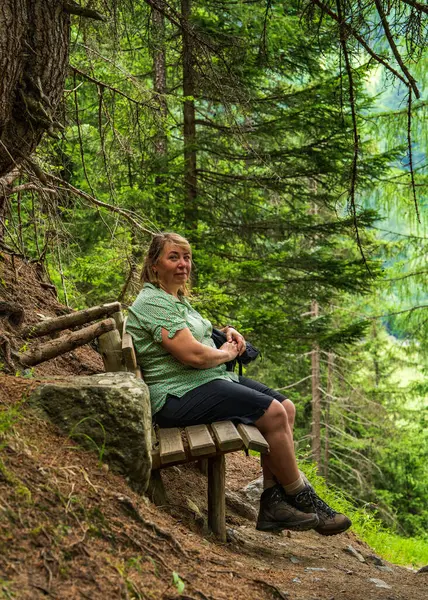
column 175, row 446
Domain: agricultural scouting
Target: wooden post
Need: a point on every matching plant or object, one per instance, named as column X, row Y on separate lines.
column 110, row 348
column 118, row 319
column 216, row 496
column 156, row 490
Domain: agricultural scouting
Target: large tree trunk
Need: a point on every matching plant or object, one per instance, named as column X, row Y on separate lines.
column 161, row 140
column 34, row 40
column 189, row 130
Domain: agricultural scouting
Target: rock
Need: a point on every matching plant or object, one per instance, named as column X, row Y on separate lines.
column 294, row 560
column 107, row 413
column 351, row 550
column 423, row 569
column 297, row 580
column 314, row 569
column 379, row 583
column 376, row 560
column 384, row 568
column 253, row 491
column 235, row 502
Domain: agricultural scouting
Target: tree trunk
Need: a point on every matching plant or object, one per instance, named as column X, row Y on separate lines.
column 161, row 141
column 189, row 131
column 34, row 40
column 316, row 398
column 330, row 374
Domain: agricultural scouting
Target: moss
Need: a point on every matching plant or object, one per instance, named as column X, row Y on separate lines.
column 20, row 489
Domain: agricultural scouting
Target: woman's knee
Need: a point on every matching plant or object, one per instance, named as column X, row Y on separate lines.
column 275, row 418
column 290, row 409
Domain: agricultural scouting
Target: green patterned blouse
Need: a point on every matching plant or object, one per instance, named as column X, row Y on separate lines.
column 153, row 309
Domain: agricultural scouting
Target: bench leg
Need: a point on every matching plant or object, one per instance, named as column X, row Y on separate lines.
column 216, row 496
column 156, row 490
column 203, row 466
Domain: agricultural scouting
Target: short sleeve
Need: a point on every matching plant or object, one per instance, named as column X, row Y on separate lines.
column 156, row 313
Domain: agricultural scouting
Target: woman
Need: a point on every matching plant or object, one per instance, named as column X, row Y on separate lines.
column 189, row 384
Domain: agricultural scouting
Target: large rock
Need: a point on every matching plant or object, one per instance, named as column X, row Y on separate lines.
column 109, row 413
column 253, row 491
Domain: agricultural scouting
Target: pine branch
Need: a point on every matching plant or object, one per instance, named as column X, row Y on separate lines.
column 343, row 37
column 351, row 31
column 393, row 46
column 398, row 312
column 416, row 5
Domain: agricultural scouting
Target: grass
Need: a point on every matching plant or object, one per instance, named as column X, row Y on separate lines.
column 405, row 551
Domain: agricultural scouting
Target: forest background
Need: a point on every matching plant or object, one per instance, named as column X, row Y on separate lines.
column 291, row 152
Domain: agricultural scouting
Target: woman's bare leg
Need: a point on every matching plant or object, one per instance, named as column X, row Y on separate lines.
column 275, row 426
column 268, row 476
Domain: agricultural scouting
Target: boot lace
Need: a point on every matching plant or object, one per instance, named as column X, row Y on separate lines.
column 322, row 506
column 305, row 497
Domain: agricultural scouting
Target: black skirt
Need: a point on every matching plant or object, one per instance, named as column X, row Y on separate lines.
column 218, row 400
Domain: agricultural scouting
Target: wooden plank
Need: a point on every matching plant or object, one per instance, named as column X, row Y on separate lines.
column 171, row 447
column 216, row 495
column 119, row 320
column 227, row 436
column 128, row 352
column 110, row 348
column 253, row 439
column 200, row 440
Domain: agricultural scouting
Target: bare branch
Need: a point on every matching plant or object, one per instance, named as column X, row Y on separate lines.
column 409, row 147
column 416, row 5
column 126, row 214
column 102, row 84
column 72, row 8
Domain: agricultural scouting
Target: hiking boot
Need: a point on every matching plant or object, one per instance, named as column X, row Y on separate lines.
column 330, row 521
column 278, row 511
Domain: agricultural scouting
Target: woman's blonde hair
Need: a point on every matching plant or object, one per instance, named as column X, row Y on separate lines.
column 148, row 275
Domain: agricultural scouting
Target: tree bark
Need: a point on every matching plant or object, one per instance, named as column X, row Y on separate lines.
column 72, row 320
column 34, row 41
column 330, row 375
column 65, row 344
column 161, row 140
column 316, row 398
column 189, row 130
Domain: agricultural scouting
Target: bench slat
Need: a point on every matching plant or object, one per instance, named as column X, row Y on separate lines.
column 227, row 436
column 171, row 445
column 253, row 439
column 200, row 440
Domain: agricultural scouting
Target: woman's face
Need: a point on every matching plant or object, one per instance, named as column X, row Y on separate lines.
column 174, row 266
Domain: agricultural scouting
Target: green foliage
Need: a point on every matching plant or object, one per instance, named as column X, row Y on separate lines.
column 178, row 582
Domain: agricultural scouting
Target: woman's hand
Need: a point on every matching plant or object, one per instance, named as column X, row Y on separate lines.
column 231, row 348
column 234, row 336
